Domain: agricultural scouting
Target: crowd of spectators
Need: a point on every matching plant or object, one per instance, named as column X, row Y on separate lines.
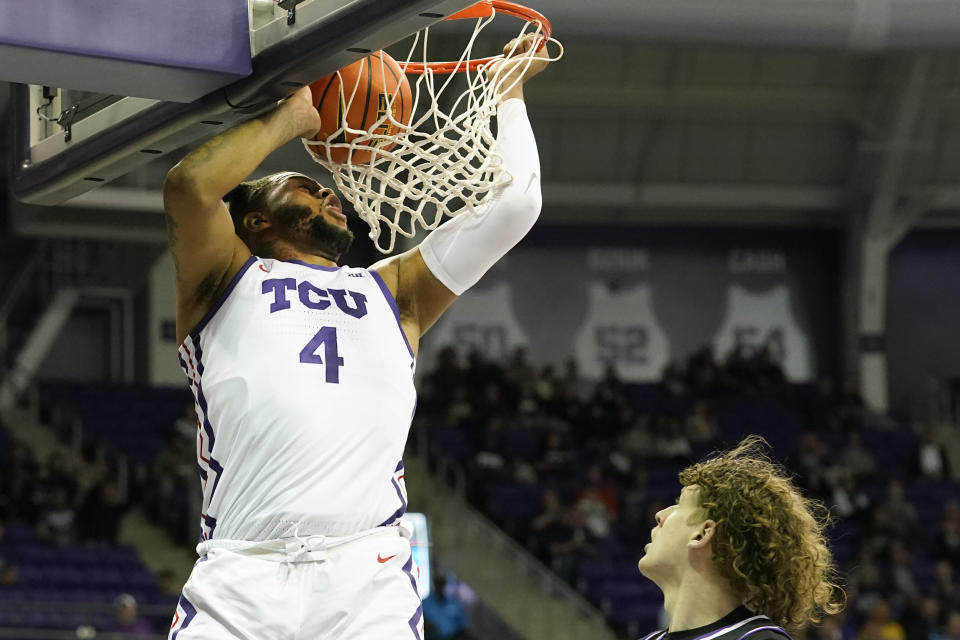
column 605, row 463
column 64, row 500
column 68, row 504
column 598, row 471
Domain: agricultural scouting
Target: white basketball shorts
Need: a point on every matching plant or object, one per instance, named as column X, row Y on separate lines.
column 316, row 588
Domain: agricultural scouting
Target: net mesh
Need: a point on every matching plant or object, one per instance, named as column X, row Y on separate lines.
column 443, row 163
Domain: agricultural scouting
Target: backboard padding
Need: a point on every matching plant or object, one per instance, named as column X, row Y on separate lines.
column 328, row 35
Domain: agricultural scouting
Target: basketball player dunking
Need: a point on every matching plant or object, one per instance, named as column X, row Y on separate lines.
column 303, row 377
column 741, row 554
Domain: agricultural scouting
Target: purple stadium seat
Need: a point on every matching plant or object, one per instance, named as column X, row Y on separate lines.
column 514, row 501
column 451, row 442
column 521, row 443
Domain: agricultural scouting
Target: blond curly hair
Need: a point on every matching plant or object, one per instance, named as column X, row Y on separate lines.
column 769, row 542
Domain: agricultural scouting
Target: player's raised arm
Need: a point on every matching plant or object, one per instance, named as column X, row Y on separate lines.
column 457, row 254
column 206, row 250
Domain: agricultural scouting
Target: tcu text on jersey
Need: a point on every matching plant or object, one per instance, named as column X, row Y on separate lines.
column 311, row 296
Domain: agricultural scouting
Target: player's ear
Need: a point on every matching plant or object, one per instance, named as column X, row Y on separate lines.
column 704, row 535
column 255, row 222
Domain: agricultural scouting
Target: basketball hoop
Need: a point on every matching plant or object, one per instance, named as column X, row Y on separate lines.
column 442, row 162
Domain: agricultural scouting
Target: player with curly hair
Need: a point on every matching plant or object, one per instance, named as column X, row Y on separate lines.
column 741, row 553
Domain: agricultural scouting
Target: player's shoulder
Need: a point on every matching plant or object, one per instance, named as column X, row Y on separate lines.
column 757, row 628
column 761, row 628
column 772, row 632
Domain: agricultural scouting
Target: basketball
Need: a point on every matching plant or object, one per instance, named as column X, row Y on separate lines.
column 358, row 97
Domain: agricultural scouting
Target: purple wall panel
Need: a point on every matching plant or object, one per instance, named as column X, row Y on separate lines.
column 923, row 313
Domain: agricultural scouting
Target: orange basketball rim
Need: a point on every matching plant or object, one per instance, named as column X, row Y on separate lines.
column 484, row 9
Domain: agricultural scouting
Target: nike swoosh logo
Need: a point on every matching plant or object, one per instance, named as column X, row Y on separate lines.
column 381, row 559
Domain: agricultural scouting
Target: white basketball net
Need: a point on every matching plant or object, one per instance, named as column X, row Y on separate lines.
column 443, row 162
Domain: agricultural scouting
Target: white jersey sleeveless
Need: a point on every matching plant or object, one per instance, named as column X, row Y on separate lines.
column 303, row 383
column 766, row 318
column 621, row 327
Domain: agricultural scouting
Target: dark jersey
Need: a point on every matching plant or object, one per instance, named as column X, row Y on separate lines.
column 739, row 624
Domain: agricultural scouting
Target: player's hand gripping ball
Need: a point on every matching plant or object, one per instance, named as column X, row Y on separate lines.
column 371, row 95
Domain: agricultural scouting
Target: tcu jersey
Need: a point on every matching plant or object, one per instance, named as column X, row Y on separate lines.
column 304, row 391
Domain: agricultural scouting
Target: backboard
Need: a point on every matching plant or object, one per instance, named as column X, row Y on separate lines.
column 67, row 141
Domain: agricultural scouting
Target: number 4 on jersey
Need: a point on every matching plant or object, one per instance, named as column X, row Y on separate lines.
column 327, row 336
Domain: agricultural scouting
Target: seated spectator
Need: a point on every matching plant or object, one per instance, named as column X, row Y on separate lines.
column 816, row 487
column 60, row 471
column 167, row 583
column 865, row 586
column 811, row 454
column 572, row 384
column 18, row 474
column 557, row 457
column 547, row 386
column 635, row 526
column 480, row 372
column 57, row 522
column 945, row 590
column 528, row 404
column 519, row 371
column 703, row 372
column 738, row 367
column 903, row 516
column 858, row 458
column 637, row 441
column 446, row 376
column 951, row 630
column 901, row 570
column 767, row 372
column 102, row 512
column 850, row 410
column 551, row 525
column 444, row 616
column 849, row 501
column 9, row 573
column 701, row 427
column 672, row 444
column 578, row 544
column 125, row 619
column 672, row 379
column 880, row 625
column 947, row 544
column 459, row 407
column 598, row 503
column 930, row 459
column 824, row 405
column 879, row 536
column 523, row 471
column 921, row 618
column 488, row 463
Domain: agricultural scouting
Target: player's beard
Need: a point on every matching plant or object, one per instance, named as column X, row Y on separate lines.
column 321, row 237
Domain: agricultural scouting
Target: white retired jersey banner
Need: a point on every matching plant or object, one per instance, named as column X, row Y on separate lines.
column 766, row 319
column 621, row 328
column 644, row 297
column 481, row 319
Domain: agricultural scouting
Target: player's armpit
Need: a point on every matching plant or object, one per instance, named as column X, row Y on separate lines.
column 428, row 296
column 421, row 297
